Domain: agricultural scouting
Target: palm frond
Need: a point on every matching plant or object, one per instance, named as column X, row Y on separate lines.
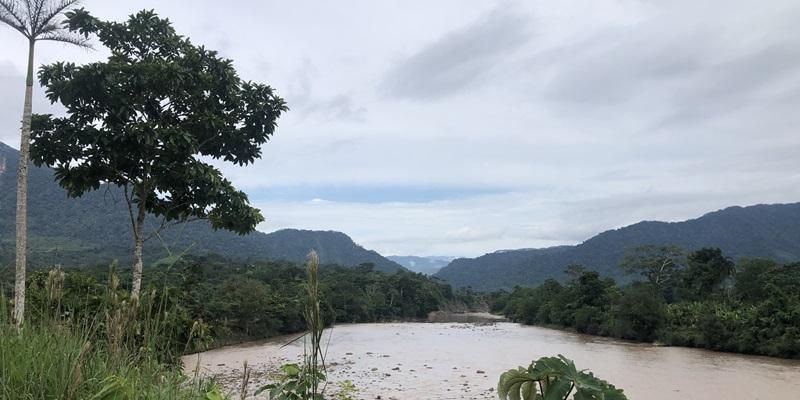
column 53, row 10
column 34, row 18
column 10, row 21
column 47, row 28
column 65, row 37
column 11, row 15
column 36, row 15
column 30, row 7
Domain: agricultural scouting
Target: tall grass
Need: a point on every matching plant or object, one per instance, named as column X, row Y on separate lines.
column 315, row 357
column 306, row 381
column 123, row 353
column 50, row 363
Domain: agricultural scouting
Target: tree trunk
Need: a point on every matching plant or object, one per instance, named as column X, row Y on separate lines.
column 138, row 243
column 22, row 195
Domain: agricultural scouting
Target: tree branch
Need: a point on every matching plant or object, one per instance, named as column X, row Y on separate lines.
column 165, row 225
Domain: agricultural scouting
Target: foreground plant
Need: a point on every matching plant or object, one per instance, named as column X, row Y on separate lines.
column 109, row 353
column 303, row 382
column 554, row 378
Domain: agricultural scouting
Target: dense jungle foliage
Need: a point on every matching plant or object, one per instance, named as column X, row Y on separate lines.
column 228, row 301
column 701, row 300
column 86, row 338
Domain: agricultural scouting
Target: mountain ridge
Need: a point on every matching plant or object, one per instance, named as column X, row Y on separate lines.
column 427, row 265
column 761, row 230
column 94, row 229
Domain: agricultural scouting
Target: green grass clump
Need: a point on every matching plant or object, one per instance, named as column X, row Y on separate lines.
column 61, row 363
column 117, row 355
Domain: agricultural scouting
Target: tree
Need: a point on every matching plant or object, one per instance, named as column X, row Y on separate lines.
column 660, row 265
column 147, row 118
column 249, row 302
column 589, row 290
column 588, row 301
column 638, row 313
column 754, row 279
column 706, row 270
column 36, row 20
column 759, row 280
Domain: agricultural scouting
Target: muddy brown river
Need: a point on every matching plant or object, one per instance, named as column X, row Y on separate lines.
column 464, row 360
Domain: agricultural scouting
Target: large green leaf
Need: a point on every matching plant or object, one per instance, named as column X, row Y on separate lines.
column 554, row 378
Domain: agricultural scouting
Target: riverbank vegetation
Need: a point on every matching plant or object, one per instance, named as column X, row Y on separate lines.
column 86, row 335
column 218, row 301
column 701, row 299
column 101, row 345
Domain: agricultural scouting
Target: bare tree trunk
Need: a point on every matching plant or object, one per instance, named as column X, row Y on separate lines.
column 138, row 243
column 22, row 195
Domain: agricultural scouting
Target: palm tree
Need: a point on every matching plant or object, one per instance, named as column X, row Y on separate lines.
column 36, row 20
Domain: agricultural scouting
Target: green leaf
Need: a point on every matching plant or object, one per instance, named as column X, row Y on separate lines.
column 558, row 377
column 511, row 381
column 290, row 370
column 214, row 394
column 529, row 391
column 558, row 389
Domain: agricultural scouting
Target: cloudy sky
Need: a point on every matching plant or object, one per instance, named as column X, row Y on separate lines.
column 461, row 127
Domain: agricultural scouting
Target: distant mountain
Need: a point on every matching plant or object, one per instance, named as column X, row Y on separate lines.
column 771, row 231
column 426, row 265
column 95, row 228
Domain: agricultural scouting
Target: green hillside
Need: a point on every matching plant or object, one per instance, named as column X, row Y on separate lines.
column 95, row 229
column 769, row 231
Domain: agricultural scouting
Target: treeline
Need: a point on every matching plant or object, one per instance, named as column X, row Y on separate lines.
column 701, row 299
column 212, row 301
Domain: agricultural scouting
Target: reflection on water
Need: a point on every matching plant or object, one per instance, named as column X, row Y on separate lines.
column 464, row 360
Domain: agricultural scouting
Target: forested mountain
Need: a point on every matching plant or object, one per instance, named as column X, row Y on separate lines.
column 770, row 231
column 95, row 229
column 427, row 265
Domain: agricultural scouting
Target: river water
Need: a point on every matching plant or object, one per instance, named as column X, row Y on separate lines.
column 464, row 361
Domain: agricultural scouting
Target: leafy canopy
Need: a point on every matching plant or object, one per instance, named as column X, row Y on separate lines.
column 147, row 118
column 658, row 264
column 706, row 270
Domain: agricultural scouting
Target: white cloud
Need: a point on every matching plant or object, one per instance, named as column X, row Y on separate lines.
column 583, row 117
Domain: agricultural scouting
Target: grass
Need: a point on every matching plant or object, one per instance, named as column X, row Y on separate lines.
column 61, row 363
column 102, row 359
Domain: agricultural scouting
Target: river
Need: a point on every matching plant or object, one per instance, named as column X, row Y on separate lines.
column 463, row 361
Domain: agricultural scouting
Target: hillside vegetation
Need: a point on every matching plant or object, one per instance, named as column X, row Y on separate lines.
column 764, row 231
column 94, row 229
column 702, row 299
